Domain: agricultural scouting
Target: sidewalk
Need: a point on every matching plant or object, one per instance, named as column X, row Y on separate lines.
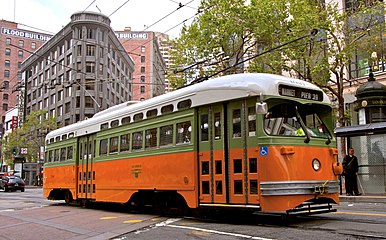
column 363, row 198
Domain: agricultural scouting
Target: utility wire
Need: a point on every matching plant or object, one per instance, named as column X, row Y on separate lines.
column 119, row 8
column 313, row 33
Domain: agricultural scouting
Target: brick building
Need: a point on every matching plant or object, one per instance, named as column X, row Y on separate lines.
column 149, row 72
column 16, row 44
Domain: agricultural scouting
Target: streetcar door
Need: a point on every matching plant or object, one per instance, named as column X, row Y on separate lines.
column 212, row 154
column 85, row 167
column 243, row 152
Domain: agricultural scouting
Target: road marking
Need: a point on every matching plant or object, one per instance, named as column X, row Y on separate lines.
column 362, row 214
column 219, row 232
column 132, row 221
column 107, row 218
column 114, row 217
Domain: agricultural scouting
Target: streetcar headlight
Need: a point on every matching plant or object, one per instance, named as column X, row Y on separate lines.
column 316, row 164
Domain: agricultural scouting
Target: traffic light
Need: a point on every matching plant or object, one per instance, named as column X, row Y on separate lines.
column 14, row 151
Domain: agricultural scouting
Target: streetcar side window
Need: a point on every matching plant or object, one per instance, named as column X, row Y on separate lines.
column 204, row 127
column 151, row 138
column 217, row 125
column 113, row 145
column 166, row 135
column 125, row 142
column 50, row 156
column 69, row 153
column 236, row 120
column 126, row 120
column 137, row 141
column 251, row 121
column 138, row 117
column 185, row 104
column 151, row 113
column 184, row 131
column 167, row 109
column 63, row 154
column 56, row 155
column 103, row 147
column 104, row 126
column 114, row 123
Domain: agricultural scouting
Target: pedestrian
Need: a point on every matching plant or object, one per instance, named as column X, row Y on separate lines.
column 350, row 171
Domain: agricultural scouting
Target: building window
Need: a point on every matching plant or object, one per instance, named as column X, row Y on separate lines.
column 5, row 106
column 19, row 65
column 20, row 54
column 8, row 41
column 91, row 33
column 142, row 79
column 90, row 67
column 142, row 69
column 142, row 89
column 142, row 59
column 5, row 96
column 5, row 85
column 7, row 63
column 7, row 52
column 143, row 48
column 21, row 43
column 33, row 45
column 79, row 50
column 6, row 73
column 19, row 75
column 90, row 50
column 89, row 103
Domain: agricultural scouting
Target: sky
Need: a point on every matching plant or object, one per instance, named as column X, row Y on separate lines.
column 140, row 15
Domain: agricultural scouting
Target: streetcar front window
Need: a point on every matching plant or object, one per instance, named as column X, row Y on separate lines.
column 292, row 120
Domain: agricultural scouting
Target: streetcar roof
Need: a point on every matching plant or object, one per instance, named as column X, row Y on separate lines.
column 219, row 89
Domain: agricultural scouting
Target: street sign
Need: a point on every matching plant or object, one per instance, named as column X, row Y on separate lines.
column 23, row 150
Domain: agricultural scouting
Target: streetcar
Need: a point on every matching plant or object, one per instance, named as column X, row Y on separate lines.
column 251, row 141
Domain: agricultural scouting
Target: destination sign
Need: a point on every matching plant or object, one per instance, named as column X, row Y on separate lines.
column 302, row 93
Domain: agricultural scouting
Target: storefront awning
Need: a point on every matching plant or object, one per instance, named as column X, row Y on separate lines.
column 361, row 130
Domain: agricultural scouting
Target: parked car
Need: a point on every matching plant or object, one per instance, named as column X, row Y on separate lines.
column 12, row 183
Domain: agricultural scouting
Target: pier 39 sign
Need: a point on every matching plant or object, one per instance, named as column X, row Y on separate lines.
column 25, row 34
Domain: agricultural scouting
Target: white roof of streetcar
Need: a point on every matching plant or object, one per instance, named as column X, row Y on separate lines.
column 215, row 90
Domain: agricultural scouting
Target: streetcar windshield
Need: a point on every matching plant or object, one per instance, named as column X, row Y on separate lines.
column 293, row 120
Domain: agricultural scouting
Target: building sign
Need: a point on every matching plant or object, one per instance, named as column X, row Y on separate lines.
column 132, row 35
column 369, row 102
column 15, row 122
column 25, row 34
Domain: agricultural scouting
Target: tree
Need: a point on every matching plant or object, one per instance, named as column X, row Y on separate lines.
column 275, row 36
column 30, row 135
column 215, row 41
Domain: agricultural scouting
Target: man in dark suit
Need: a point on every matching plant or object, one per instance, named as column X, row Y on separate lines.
column 350, row 169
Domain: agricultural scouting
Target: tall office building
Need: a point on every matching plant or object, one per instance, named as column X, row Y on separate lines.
column 149, row 73
column 80, row 71
column 16, row 44
column 165, row 48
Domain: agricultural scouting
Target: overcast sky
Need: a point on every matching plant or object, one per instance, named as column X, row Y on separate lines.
column 52, row 15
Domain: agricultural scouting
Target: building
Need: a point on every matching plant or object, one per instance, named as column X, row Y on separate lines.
column 16, row 44
column 365, row 100
column 166, row 49
column 80, row 71
column 149, row 73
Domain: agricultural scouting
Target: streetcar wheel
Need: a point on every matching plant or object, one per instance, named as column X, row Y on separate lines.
column 68, row 198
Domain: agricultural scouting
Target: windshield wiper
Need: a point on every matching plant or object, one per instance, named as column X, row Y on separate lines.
column 307, row 138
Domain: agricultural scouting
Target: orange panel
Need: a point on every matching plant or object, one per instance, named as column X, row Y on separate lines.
column 117, row 180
